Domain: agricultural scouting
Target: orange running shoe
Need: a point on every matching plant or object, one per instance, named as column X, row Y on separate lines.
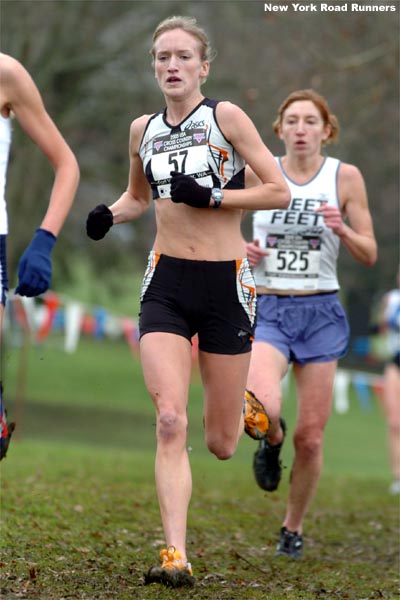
column 256, row 421
column 172, row 572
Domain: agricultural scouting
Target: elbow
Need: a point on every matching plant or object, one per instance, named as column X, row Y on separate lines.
column 284, row 198
column 372, row 257
column 77, row 173
column 70, row 167
column 75, row 167
column 371, row 260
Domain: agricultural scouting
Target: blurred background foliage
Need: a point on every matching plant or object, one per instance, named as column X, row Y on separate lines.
column 91, row 61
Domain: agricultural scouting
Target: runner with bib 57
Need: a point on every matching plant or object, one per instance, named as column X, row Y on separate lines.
column 190, row 157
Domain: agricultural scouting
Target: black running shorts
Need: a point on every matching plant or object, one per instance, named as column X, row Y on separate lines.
column 216, row 300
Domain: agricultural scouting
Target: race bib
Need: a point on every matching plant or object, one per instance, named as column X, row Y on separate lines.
column 294, row 258
column 182, row 151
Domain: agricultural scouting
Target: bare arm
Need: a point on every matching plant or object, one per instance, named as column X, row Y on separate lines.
column 273, row 191
column 23, row 98
column 136, row 199
column 358, row 237
column 253, row 250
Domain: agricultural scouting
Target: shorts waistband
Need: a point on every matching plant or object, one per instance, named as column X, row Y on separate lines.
column 189, row 261
column 293, row 297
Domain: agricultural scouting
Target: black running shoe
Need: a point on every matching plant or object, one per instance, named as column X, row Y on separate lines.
column 290, row 544
column 266, row 464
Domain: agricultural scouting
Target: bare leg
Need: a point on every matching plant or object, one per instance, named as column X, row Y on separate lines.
column 166, row 361
column 267, row 368
column 314, row 383
column 224, row 380
column 391, row 407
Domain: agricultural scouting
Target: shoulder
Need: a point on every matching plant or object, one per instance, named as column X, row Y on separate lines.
column 137, row 129
column 351, row 186
column 232, row 120
column 140, row 122
column 139, row 125
column 18, row 87
column 226, row 111
column 349, row 174
column 8, row 64
column 11, row 70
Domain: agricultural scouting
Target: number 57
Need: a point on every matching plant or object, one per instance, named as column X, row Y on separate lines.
column 176, row 157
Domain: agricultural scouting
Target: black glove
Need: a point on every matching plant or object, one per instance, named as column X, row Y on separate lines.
column 185, row 189
column 99, row 221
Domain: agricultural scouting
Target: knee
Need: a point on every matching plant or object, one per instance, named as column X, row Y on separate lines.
column 308, row 443
column 222, row 448
column 171, row 425
column 272, row 402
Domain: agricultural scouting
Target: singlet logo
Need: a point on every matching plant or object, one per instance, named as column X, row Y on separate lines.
column 301, row 213
column 315, row 243
column 179, row 141
column 199, row 137
column 194, row 124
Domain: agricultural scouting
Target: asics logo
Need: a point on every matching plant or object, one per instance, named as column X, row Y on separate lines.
column 194, row 124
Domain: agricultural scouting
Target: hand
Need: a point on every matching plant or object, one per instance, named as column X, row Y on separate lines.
column 34, row 269
column 255, row 253
column 332, row 217
column 185, row 189
column 99, row 222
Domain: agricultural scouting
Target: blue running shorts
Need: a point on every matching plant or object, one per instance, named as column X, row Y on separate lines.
column 306, row 329
column 3, row 270
column 216, row 300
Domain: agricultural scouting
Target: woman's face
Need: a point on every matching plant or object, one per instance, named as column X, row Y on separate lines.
column 179, row 68
column 302, row 128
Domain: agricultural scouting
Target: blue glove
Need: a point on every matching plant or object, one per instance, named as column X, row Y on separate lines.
column 185, row 189
column 34, row 269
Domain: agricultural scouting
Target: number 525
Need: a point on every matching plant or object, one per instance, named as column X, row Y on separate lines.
column 292, row 260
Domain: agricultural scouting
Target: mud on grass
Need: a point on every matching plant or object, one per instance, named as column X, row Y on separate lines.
column 86, row 526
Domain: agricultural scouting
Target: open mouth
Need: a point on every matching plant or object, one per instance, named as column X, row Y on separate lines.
column 173, row 79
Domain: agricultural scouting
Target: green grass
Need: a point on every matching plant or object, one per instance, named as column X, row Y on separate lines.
column 120, row 294
column 80, row 516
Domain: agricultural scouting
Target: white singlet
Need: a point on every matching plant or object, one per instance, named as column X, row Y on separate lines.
column 195, row 147
column 302, row 250
column 392, row 318
column 5, row 143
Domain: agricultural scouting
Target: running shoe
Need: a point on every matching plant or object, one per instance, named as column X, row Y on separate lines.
column 256, row 421
column 290, row 544
column 267, row 466
column 172, row 572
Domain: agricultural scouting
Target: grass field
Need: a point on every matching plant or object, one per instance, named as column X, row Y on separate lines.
column 79, row 512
